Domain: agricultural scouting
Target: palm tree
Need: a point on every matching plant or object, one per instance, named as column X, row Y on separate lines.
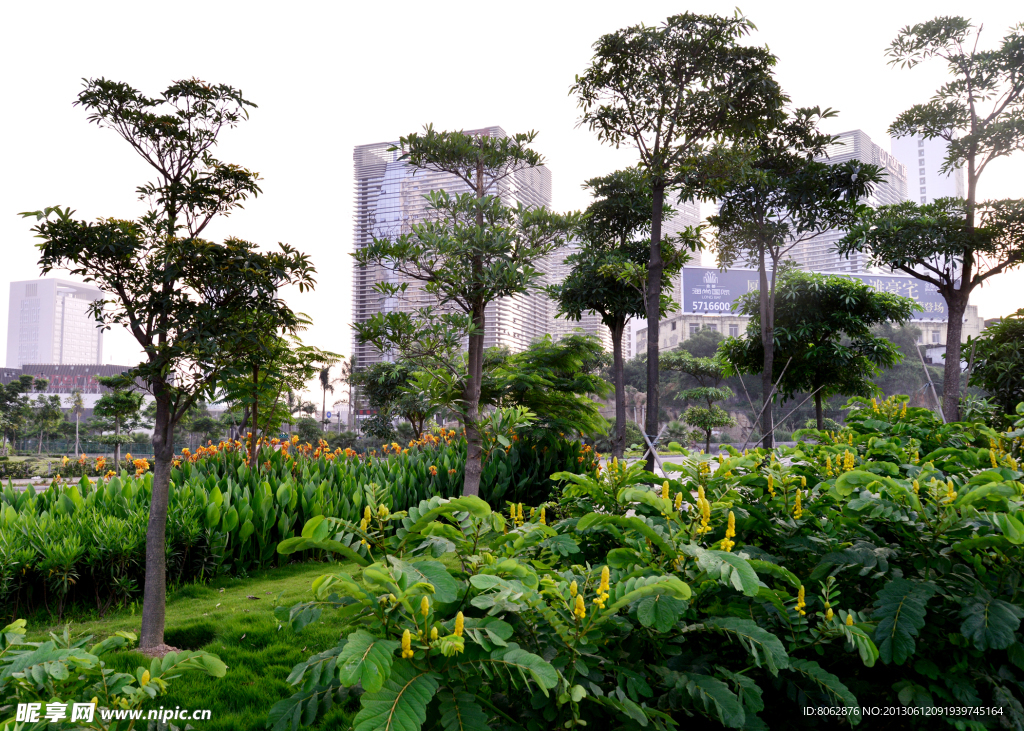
column 326, row 384
column 348, row 369
column 77, row 408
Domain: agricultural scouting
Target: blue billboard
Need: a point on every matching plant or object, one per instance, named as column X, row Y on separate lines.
column 706, row 290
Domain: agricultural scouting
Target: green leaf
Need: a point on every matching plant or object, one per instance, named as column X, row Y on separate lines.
column 660, row 612
column 732, row 570
column 461, row 712
column 513, row 658
column 647, row 587
column 715, row 696
column 762, row 645
column 764, row 567
column 430, row 572
column 593, row 520
column 366, row 659
column 401, row 704
column 990, row 622
column 427, row 512
column 828, row 684
column 298, row 543
column 900, row 613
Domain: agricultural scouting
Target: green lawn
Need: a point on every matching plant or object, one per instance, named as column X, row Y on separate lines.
column 221, row 618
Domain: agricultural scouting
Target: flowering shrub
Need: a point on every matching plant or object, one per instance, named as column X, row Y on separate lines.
column 874, row 567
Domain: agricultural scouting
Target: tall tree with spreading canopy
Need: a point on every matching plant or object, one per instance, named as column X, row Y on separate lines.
column 472, row 250
column 677, row 92
column 823, row 335
column 955, row 244
column 786, row 197
column 998, row 362
column 612, row 238
column 182, row 298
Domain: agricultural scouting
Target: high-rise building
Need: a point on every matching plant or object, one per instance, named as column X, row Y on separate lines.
column 590, row 324
column 923, row 158
column 389, row 198
column 819, row 252
column 49, row 322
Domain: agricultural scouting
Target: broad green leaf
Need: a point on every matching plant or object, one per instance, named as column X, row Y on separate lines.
column 429, row 572
column 731, row 570
column 764, row 567
column 990, row 622
column 593, row 520
column 366, row 659
column 762, row 645
column 401, row 704
column 651, row 586
column 298, row 543
column 513, row 659
column 828, row 684
column 461, row 712
column 900, row 613
column 716, row 698
column 660, row 612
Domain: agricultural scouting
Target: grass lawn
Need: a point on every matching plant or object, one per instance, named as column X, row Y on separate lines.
column 219, row 617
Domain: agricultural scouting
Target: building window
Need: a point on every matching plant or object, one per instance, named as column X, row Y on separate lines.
column 734, row 331
column 924, row 199
column 920, row 143
column 920, row 337
column 713, row 328
column 674, row 340
column 922, row 190
column 922, row 181
column 673, row 326
column 920, row 171
column 935, row 336
column 694, row 328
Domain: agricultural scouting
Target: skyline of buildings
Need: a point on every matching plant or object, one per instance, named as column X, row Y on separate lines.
column 923, row 158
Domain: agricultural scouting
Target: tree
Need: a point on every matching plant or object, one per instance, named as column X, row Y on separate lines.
column 120, row 408
column 326, row 384
column 181, row 297
column 553, row 380
column 997, row 362
column 46, row 417
column 703, row 343
column 955, row 244
column 620, row 212
column 676, row 92
column 13, row 397
column 473, row 250
column 348, row 369
column 785, row 197
column 76, row 408
column 709, row 374
column 823, row 336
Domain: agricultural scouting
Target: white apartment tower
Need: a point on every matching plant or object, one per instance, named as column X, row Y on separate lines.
column 389, row 198
column 49, row 322
column 819, row 253
column 923, row 158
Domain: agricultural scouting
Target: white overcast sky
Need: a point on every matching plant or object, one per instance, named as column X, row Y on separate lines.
column 329, row 76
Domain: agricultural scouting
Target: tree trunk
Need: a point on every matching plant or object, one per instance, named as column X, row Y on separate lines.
column 255, row 416
column 819, row 414
column 40, row 447
column 155, row 590
column 957, row 305
column 653, row 307
column 768, row 344
column 618, row 377
column 117, row 443
column 471, row 396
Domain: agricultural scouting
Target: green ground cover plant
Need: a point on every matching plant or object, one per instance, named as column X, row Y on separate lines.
column 84, row 541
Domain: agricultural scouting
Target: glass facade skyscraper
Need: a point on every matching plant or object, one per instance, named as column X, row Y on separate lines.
column 49, row 322
column 819, row 252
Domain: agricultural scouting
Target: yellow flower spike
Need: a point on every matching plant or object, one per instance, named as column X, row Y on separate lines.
column 828, row 465
column 606, row 576
column 580, row 611
column 542, row 520
column 664, row 490
column 700, row 492
column 917, row 487
column 532, row 512
column 363, row 525
column 573, row 589
column 383, row 512
column 144, row 680
column 803, row 481
column 460, row 625
column 849, row 620
column 433, row 634
column 829, row 614
column 407, row 652
column 367, row 514
column 798, row 510
column 424, row 606
column 992, row 455
column 800, row 600
column 679, row 501
column 519, row 518
column 730, row 533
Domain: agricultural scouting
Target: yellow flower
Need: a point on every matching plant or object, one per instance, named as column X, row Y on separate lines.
column 606, row 576
column 849, row 617
column 797, row 509
column 519, row 518
column 950, row 492
column 580, row 611
column 407, row 652
column 424, row 606
column 679, row 501
column 828, row 465
column 433, row 470
column 573, row 589
column 664, row 490
column 383, row 511
column 991, row 454
column 460, row 625
column 730, row 533
column 771, row 485
column 433, row 634
column 363, row 525
column 542, row 520
column 848, row 461
column 800, row 603
column 917, row 487
column 803, row 481
column 829, row 614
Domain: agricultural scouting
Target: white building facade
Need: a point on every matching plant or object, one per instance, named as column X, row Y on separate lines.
column 49, row 322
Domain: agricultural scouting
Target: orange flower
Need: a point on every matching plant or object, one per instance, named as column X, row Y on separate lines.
column 452, row 471
column 433, row 470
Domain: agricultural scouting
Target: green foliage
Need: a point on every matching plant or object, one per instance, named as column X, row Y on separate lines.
column 998, row 361
column 66, row 670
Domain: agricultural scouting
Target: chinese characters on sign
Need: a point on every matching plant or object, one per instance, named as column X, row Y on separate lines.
column 708, row 290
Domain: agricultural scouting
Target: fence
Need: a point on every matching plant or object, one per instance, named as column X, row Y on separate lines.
column 88, row 447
